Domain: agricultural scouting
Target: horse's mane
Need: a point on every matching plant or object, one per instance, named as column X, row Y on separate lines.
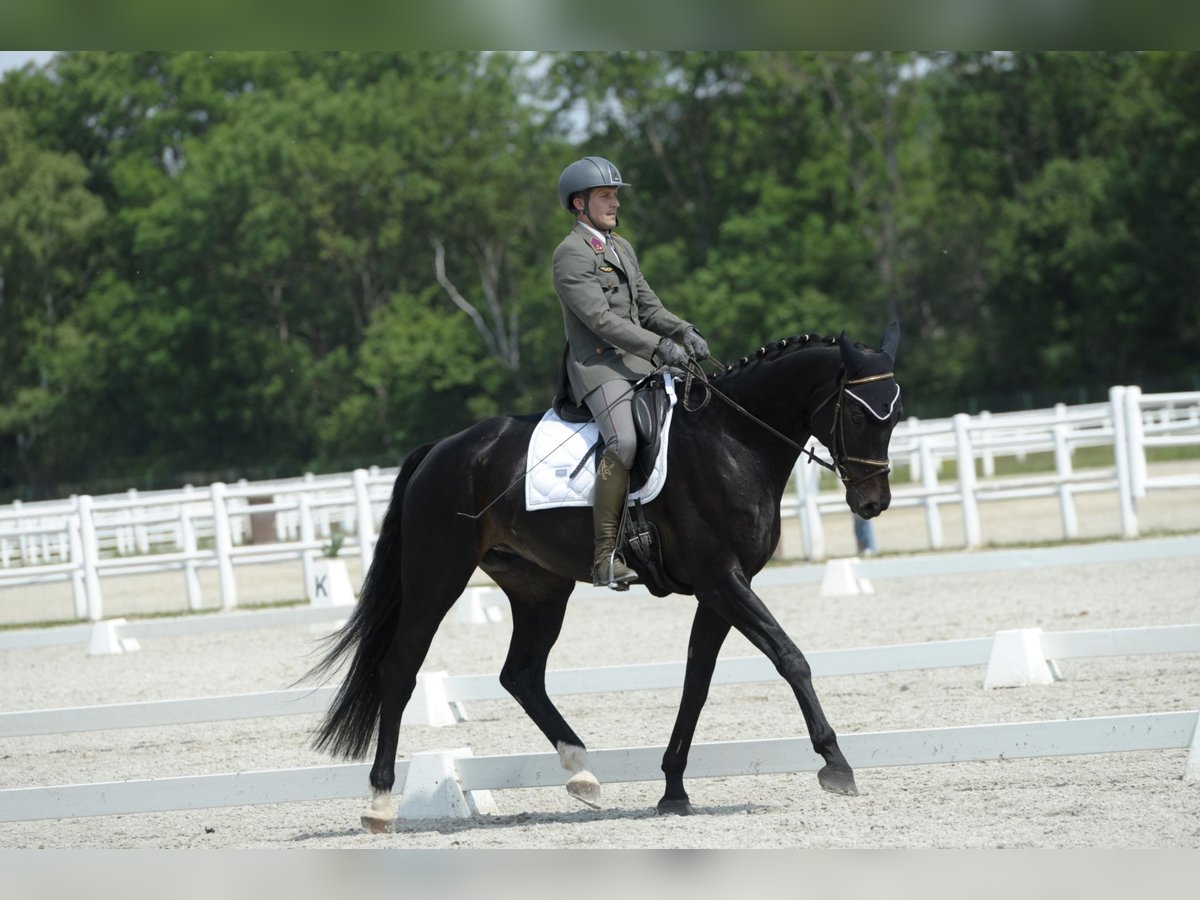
column 774, row 350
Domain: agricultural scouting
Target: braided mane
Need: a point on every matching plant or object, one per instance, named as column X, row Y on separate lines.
column 776, row 349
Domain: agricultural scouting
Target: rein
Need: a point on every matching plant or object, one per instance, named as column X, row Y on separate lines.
column 837, row 451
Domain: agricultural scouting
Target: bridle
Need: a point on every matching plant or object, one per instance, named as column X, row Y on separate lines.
column 837, row 431
column 838, row 434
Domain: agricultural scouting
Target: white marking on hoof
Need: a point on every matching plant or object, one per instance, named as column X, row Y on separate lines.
column 583, row 785
column 379, row 817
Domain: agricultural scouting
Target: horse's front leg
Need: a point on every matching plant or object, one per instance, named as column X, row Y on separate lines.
column 708, row 633
column 732, row 597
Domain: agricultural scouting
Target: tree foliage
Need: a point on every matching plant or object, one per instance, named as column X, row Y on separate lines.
column 243, row 263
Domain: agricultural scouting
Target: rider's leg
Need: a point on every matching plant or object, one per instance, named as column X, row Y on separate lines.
column 612, row 406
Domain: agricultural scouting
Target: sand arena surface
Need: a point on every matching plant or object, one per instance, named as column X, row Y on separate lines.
column 1135, row 800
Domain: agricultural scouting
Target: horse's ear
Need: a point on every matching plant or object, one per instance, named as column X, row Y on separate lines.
column 853, row 358
column 891, row 341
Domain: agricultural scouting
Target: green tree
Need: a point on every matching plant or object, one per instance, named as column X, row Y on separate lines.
column 48, row 222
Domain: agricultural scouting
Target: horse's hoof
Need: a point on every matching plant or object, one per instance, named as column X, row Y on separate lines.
column 375, row 823
column 584, row 787
column 675, row 807
column 838, row 781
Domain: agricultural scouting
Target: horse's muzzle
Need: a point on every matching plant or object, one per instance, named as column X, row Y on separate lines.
column 869, row 503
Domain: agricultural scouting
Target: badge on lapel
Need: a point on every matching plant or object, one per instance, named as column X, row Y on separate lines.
column 606, row 268
column 597, row 244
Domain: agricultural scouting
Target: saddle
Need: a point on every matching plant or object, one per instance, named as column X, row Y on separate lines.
column 639, row 537
column 650, row 407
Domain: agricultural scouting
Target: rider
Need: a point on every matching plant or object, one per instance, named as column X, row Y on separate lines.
column 617, row 332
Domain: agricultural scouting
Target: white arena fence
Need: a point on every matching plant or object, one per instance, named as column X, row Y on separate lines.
column 1130, row 423
column 485, row 604
column 221, row 526
column 455, row 783
column 1013, row 657
column 84, row 539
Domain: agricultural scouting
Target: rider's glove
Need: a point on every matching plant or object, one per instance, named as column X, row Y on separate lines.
column 695, row 344
column 669, row 353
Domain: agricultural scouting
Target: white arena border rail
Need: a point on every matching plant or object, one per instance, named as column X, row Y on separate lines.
column 979, row 561
column 477, row 775
column 1021, row 656
column 86, row 538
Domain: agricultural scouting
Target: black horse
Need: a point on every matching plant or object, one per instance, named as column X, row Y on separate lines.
column 718, row 521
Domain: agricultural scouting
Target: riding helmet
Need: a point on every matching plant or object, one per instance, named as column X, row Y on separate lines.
column 586, row 173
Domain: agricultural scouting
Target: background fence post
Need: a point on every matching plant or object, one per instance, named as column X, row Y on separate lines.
column 366, row 520
column 929, row 482
column 966, row 481
column 1129, row 524
column 1066, row 499
column 307, row 537
column 224, row 546
column 187, row 533
column 812, row 530
column 1135, row 435
column 91, row 558
column 78, row 582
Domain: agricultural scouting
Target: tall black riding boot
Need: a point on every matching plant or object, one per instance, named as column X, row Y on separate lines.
column 608, row 503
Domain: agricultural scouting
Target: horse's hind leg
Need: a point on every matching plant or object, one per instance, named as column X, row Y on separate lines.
column 539, row 603
column 708, row 633
column 422, row 612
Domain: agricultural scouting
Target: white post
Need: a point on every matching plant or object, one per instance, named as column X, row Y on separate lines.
column 307, row 537
column 1066, row 499
column 966, row 481
column 366, row 521
column 22, row 538
column 78, row 584
column 808, row 480
column 91, row 558
column 141, row 536
column 187, row 531
column 1129, row 524
column 914, row 456
column 929, row 481
column 987, row 454
column 1135, row 434
column 224, row 546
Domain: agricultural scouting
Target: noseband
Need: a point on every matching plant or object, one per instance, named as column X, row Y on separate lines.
column 838, row 435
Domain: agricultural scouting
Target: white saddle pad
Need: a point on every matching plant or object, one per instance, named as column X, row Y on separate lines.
column 556, row 449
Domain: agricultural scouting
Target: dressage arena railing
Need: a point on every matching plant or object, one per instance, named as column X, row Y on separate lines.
column 455, row 783
column 1018, row 656
column 86, row 538
column 483, row 604
column 1130, row 423
column 1012, row 657
column 220, row 526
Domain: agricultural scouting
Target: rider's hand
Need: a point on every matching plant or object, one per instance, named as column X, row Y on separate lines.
column 695, row 344
column 669, row 353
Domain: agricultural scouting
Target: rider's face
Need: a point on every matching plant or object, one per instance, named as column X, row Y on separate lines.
column 603, row 205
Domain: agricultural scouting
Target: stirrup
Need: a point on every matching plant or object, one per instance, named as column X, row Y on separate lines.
column 608, row 580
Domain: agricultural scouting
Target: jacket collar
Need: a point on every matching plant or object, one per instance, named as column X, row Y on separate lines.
column 601, row 243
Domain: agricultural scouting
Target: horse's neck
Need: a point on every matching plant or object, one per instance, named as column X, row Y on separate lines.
column 781, row 393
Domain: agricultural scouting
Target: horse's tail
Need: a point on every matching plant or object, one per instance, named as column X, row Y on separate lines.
column 350, row 723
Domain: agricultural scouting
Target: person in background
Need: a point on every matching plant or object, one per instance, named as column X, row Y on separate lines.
column 864, row 535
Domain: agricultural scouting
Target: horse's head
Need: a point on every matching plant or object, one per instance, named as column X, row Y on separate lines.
column 856, row 421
